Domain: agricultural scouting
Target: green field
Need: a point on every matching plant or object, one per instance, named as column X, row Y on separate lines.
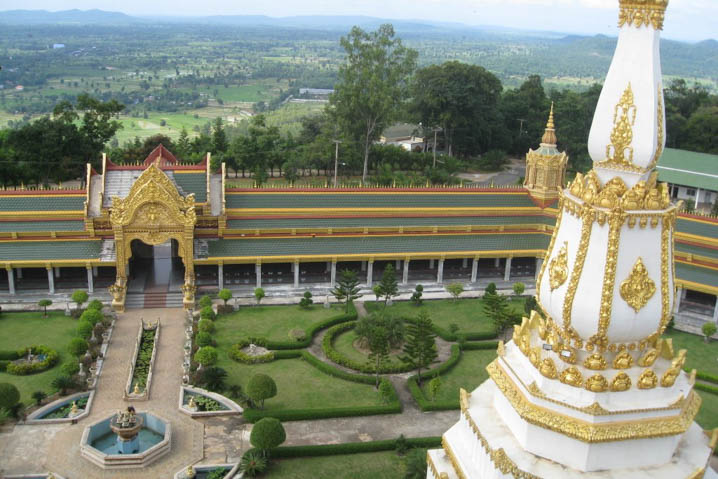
column 468, row 374
column 271, row 322
column 371, row 465
column 701, row 355
column 708, row 415
column 20, row 330
column 468, row 314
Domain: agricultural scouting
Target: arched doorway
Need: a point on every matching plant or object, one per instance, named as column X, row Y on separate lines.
column 153, row 214
column 155, row 268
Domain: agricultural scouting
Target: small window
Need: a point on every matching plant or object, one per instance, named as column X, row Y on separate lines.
column 691, row 191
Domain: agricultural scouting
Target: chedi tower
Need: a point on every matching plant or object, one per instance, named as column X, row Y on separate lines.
column 588, row 388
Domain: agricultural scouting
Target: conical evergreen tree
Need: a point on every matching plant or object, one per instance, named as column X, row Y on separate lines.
column 420, row 345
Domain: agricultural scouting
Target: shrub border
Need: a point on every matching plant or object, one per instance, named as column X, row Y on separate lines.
column 51, row 359
column 286, row 452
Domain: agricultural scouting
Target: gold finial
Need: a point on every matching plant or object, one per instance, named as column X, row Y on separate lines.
column 549, row 136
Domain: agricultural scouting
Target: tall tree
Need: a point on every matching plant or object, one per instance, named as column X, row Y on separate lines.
column 347, row 288
column 388, row 287
column 378, row 349
column 372, row 84
column 461, row 99
column 420, row 345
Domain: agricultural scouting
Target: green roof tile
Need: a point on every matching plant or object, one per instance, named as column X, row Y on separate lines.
column 41, row 203
column 694, row 227
column 49, row 250
column 250, row 200
column 384, row 222
column 378, row 244
column 696, row 274
column 688, row 168
column 699, row 250
column 28, row 226
column 193, row 183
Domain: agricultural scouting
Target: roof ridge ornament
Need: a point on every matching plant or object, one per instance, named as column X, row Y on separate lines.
column 549, row 136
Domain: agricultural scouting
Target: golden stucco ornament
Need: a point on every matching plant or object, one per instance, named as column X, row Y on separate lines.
column 597, row 384
column 623, row 360
column 620, row 152
column 558, row 268
column 647, row 379
column 621, row 382
column 638, row 288
column 669, row 377
column 648, row 358
column 548, row 368
column 595, row 362
column 571, row 376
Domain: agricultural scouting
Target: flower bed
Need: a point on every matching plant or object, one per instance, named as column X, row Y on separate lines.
column 138, row 384
column 47, row 358
column 238, row 355
column 57, row 412
column 207, row 403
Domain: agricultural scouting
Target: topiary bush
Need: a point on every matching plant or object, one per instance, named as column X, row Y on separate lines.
column 205, row 325
column 260, row 388
column 204, row 339
column 93, row 316
column 9, row 396
column 207, row 313
column 71, row 368
column 84, row 329
column 267, row 434
column 95, row 304
column 77, row 347
column 206, row 356
column 205, row 301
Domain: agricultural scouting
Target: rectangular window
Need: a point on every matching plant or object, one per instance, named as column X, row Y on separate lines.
column 691, row 191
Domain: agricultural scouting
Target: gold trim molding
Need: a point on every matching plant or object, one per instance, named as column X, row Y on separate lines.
column 640, row 13
column 590, row 432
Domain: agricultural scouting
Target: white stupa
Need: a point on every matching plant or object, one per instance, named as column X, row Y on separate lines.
column 587, row 388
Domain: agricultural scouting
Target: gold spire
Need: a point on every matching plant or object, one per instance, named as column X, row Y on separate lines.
column 549, row 136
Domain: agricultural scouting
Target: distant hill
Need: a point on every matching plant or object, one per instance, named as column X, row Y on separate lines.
column 78, row 17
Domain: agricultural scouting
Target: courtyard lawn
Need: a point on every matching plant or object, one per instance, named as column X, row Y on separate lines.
column 299, row 384
column 370, row 465
column 271, row 322
column 345, row 344
column 467, row 313
column 707, row 417
column 20, row 330
column 701, row 355
column 468, row 373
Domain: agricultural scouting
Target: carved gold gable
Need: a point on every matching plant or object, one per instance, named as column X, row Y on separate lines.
column 153, row 202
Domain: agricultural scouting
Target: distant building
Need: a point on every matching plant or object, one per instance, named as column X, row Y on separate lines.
column 316, row 91
column 19, row 88
column 56, row 46
column 403, row 135
column 693, row 177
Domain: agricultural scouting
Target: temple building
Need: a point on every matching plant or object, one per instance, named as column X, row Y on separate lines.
column 588, row 387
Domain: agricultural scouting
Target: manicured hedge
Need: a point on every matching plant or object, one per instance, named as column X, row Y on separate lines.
column 418, row 394
column 475, row 346
column 447, row 335
column 392, row 407
column 288, row 354
column 11, row 355
column 706, row 387
column 235, row 353
column 311, row 331
column 339, row 358
column 23, row 369
column 703, row 376
column 352, row 447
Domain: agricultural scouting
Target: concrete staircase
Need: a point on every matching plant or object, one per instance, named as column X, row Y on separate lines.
column 153, row 300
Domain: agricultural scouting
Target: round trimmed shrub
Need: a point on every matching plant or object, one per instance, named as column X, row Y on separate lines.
column 77, row 347
column 95, row 304
column 261, row 387
column 9, row 396
column 71, row 368
column 207, row 313
column 206, row 356
column 206, row 325
column 204, row 339
column 84, row 329
column 205, row 301
column 267, row 433
column 93, row 316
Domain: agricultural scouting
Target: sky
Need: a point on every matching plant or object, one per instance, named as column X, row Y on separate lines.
column 687, row 20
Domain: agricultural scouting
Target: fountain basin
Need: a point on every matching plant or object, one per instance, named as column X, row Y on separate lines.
column 100, row 445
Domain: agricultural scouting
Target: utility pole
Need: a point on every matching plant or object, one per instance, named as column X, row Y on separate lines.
column 436, row 130
column 336, row 161
column 521, row 126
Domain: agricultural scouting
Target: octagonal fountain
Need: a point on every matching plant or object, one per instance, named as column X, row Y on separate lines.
column 126, row 440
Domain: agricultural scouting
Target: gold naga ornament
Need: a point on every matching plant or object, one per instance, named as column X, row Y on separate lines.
column 669, row 377
column 648, row 358
column 638, row 288
column 558, row 268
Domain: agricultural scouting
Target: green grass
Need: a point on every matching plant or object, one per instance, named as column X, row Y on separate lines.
column 468, row 374
column 701, row 355
column 468, row 314
column 370, row 465
column 300, row 385
column 271, row 322
column 19, row 330
column 344, row 343
column 708, row 415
